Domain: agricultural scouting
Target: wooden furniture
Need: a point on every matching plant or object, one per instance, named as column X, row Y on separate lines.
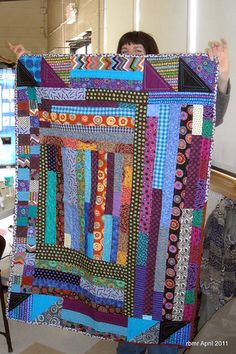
column 3, row 306
column 224, row 183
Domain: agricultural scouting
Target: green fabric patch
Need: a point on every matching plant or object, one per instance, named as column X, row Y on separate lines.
column 189, row 297
column 197, row 218
column 207, row 128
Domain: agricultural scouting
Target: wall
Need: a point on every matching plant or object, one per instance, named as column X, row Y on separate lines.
column 167, row 22
column 120, row 19
column 215, row 22
column 89, row 18
column 23, row 22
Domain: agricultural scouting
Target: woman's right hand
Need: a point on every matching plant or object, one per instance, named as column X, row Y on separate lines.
column 18, row 49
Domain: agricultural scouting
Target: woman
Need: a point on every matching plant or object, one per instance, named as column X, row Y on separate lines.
column 141, row 43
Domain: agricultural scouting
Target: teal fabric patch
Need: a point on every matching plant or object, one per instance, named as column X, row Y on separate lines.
column 197, row 218
column 33, row 211
column 50, row 232
column 90, row 245
column 22, row 221
column 31, row 93
column 107, row 238
column 142, row 249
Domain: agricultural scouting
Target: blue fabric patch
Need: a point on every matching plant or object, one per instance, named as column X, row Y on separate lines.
column 161, row 142
column 137, row 326
column 23, row 174
column 107, row 74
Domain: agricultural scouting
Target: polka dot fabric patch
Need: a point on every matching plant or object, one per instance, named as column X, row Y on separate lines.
column 113, row 157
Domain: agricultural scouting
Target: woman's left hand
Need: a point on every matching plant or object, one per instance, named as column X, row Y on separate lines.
column 219, row 49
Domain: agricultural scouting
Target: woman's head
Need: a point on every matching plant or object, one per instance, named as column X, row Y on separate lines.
column 137, row 42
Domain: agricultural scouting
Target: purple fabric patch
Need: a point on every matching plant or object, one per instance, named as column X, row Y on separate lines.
column 196, row 236
column 77, row 306
column 22, row 210
column 140, row 279
column 116, row 204
column 23, row 186
column 94, row 172
column 115, row 238
column 34, row 122
column 192, row 276
column 110, row 183
column 152, row 80
column 193, row 172
column 149, row 157
column 208, row 112
column 28, row 271
column 200, row 194
column 22, row 95
column 157, row 306
column 152, row 249
column 205, row 148
column 49, row 77
column 110, row 84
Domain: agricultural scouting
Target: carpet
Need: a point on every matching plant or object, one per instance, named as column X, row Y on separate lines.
column 38, row 348
column 113, row 157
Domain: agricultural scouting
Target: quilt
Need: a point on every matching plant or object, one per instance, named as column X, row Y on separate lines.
column 113, row 164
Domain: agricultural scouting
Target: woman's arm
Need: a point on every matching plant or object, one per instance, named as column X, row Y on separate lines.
column 18, row 49
column 220, row 50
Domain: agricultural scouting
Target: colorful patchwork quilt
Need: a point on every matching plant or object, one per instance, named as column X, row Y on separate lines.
column 113, row 163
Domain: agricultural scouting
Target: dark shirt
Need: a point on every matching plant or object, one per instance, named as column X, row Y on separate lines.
column 222, row 102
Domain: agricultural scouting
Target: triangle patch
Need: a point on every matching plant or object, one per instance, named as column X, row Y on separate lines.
column 167, row 328
column 24, row 78
column 33, row 65
column 189, row 80
column 152, row 80
column 41, row 303
column 151, row 335
column 136, row 326
column 49, row 77
column 52, row 315
column 16, row 299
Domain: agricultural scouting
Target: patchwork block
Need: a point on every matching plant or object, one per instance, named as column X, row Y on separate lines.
column 113, row 162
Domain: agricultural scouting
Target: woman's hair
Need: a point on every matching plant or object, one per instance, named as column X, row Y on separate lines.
column 139, row 37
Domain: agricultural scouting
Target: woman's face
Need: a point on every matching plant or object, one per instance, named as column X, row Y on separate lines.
column 132, row 48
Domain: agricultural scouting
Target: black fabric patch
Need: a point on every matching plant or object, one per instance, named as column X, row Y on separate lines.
column 167, row 328
column 24, row 78
column 189, row 80
column 16, row 299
